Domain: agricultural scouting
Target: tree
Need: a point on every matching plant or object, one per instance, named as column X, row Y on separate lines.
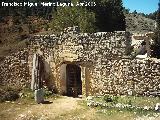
column 109, row 15
column 152, row 15
column 156, row 45
column 134, row 12
column 25, row 11
column 73, row 16
column 126, row 11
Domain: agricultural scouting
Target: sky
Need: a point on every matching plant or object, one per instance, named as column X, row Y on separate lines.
column 143, row 6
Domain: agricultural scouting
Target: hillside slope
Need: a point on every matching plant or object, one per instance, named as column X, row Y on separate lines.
column 13, row 31
column 138, row 23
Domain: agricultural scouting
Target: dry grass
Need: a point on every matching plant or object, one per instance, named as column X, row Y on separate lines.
column 140, row 101
column 66, row 108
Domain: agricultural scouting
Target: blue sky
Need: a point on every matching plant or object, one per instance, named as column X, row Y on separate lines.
column 145, row 6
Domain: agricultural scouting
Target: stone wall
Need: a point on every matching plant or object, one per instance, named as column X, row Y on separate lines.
column 14, row 70
column 91, row 51
column 103, row 58
column 136, row 77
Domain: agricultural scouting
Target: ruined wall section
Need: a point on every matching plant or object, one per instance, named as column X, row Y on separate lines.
column 14, row 70
column 92, row 47
column 132, row 77
column 85, row 46
column 105, row 67
column 44, row 45
column 145, row 75
column 93, row 52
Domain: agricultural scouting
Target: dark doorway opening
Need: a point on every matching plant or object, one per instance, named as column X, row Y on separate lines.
column 74, row 83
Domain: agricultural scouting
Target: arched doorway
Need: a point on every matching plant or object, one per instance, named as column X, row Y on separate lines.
column 73, row 80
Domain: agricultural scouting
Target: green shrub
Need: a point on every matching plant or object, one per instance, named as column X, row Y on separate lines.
column 11, row 96
column 108, row 98
column 8, row 93
column 47, row 93
column 130, row 102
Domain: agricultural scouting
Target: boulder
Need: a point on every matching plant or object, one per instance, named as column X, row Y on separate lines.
column 157, row 107
column 39, row 96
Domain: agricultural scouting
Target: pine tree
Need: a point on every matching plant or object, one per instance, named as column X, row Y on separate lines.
column 73, row 16
column 158, row 24
column 156, row 45
column 109, row 15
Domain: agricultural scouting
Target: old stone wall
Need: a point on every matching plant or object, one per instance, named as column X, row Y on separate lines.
column 14, row 70
column 105, row 66
column 135, row 77
column 103, row 58
column 91, row 51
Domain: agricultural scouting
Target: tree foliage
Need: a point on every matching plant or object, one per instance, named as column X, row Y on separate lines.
column 73, row 16
column 152, row 15
column 107, row 15
column 25, row 11
column 156, row 45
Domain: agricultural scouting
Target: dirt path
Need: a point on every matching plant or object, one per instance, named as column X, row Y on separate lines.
column 63, row 108
column 50, row 111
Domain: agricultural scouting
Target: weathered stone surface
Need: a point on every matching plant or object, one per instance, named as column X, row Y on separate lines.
column 102, row 57
column 14, row 71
